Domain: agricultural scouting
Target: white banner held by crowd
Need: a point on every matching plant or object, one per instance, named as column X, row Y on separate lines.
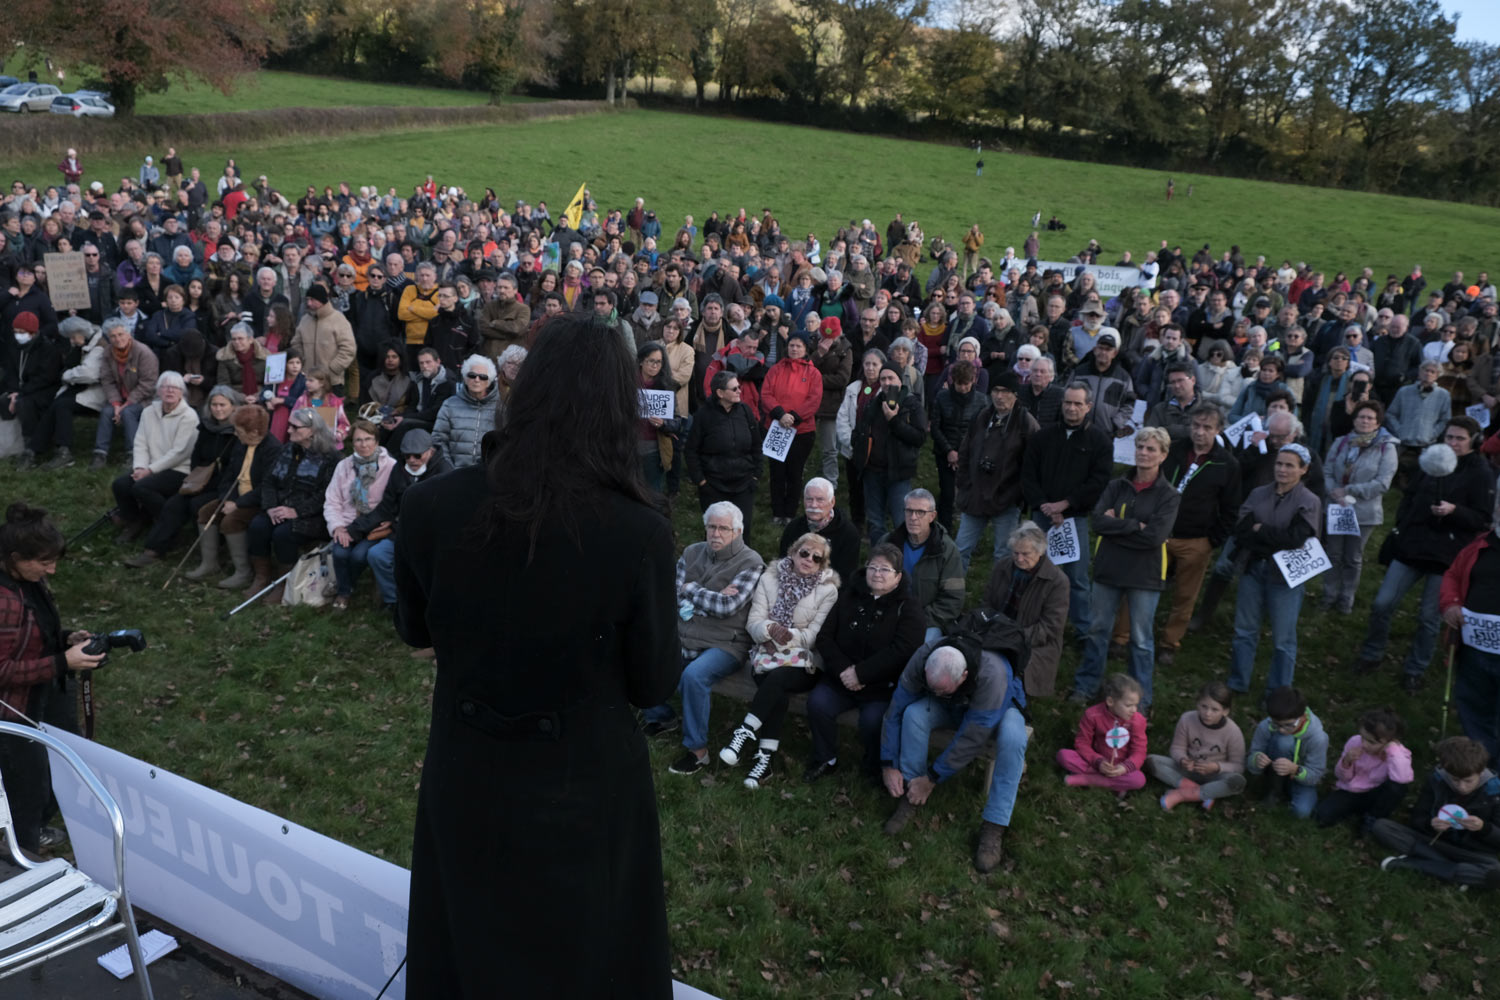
column 659, row 403
column 1062, row 543
column 1300, row 565
column 1342, row 520
column 778, row 441
column 1250, row 423
column 1482, row 632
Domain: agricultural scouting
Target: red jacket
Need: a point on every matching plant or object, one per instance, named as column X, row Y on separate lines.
column 1096, row 722
column 749, row 393
column 1456, row 580
column 792, row 386
column 23, row 665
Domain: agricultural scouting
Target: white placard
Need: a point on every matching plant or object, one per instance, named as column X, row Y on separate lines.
column 1300, row 565
column 1482, row 632
column 659, row 403
column 1062, row 543
column 1125, row 450
column 1138, row 413
column 778, row 441
column 1250, row 423
column 1342, row 520
column 276, row 368
column 1481, row 415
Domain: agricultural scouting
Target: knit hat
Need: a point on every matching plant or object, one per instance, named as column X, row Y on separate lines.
column 831, row 326
column 888, row 367
column 1007, row 380
column 317, row 293
column 774, row 300
column 26, row 321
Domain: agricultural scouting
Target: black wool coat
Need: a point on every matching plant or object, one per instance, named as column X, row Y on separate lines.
column 536, row 862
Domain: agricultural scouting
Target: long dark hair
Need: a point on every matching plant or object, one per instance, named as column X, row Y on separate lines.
column 570, row 430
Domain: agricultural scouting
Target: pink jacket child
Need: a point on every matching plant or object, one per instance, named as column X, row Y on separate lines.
column 1373, row 773
column 1110, row 747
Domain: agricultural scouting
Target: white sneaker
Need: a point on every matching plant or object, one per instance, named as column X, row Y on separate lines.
column 760, row 769
column 1385, row 865
column 742, row 737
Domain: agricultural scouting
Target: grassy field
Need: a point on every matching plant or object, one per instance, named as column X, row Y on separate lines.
column 276, row 89
column 817, row 180
column 793, row 890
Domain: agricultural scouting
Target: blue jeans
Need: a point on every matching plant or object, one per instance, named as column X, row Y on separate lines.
column 382, row 559
column 883, row 498
column 347, row 564
column 929, row 713
column 1303, row 797
column 1400, row 578
column 1141, row 605
column 1476, row 689
column 824, row 706
column 1263, row 593
column 104, row 431
column 971, row 531
column 699, row 675
column 1077, row 573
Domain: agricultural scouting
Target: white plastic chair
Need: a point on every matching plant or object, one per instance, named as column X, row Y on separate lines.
column 51, row 907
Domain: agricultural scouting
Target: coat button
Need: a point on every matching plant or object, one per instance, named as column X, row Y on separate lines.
column 544, row 725
column 466, row 707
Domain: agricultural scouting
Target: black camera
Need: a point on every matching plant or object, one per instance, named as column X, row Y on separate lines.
column 132, row 639
column 891, row 393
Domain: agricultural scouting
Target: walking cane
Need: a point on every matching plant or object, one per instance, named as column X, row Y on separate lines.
column 101, row 522
column 197, row 541
column 1448, row 685
column 270, row 586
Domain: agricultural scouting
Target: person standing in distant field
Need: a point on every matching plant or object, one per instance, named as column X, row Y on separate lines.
column 1171, row 188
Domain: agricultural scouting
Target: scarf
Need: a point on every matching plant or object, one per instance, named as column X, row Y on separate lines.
column 359, row 259
column 365, row 472
column 389, row 390
column 1363, row 440
column 122, row 354
column 791, row 587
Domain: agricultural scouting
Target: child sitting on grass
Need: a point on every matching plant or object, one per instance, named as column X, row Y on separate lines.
column 1111, row 743
column 1291, row 749
column 1373, row 773
column 1453, row 844
column 1207, row 759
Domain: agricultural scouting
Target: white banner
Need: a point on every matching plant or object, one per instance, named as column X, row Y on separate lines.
column 1342, row 520
column 778, row 441
column 1300, row 565
column 1110, row 280
column 315, row 913
column 1481, row 415
column 659, row 403
column 1062, row 543
column 1482, row 632
column 1125, row 450
column 1248, row 424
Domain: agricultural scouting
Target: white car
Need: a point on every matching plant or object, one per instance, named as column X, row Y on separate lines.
column 27, row 97
column 82, row 105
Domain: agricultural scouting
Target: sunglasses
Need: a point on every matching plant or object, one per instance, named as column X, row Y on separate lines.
column 477, row 376
column 816, row 557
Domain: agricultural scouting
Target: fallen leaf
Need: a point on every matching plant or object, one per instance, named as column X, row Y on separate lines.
column 1161, row 901
column 1429, row 982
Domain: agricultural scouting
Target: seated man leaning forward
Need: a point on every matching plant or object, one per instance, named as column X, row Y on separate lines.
column 715, row 580
column 979, row 696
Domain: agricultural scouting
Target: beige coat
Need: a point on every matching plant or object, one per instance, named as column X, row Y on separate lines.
column 807, row 616
column 326, row 341
column 164, row 441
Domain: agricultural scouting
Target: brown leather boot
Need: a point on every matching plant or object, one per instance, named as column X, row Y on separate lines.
column 278, row 593
column 987, row 855
column 261, row 566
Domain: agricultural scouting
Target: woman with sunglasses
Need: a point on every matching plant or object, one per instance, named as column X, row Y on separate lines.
column 791, row 601
column 469, row 414
column 1220, row 380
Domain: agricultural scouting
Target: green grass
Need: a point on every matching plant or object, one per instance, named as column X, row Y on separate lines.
column 816, row 180
column 275, row 89
column 793, row 890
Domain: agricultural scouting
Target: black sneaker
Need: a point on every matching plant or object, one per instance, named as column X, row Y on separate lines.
column 52, row 836
column 655, row 728
column 688, row 763
column 760, row 769
column 742, row 737
column 819, row 769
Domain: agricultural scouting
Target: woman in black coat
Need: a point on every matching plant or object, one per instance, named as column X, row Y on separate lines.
column 722, row 451
column 865, row 642
column 536, row 863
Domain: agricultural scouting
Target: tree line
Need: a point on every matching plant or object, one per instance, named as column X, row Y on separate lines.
column 1372, row 95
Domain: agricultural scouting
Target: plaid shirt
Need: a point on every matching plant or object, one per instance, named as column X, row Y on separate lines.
column 714, row 603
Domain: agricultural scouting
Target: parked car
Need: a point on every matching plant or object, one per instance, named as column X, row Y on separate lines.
column 7, row 81
column 27, row 97
column 81, row 105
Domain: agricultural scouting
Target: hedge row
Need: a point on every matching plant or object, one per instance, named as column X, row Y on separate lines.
column 155, row 132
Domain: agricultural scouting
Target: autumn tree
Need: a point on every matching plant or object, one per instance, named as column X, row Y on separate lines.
column 136, row 45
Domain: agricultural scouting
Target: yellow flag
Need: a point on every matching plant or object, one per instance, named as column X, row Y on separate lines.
column 574, row 212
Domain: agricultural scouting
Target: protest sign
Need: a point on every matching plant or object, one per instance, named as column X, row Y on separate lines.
column 1125, row 450
column 1342, row 520
column 1062, row 543
column 1237, row 430
column 659, row 403
column 275, row 368
column 1482, row 632
column 1300, row 565
column 1481, row 415
column 778, row 441
column 67, row 281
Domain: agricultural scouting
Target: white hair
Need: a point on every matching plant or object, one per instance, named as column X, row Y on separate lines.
column 515, row 352
column 821, row 485
column 477, row 362
column 945, row 664
column 725, row 509
column 168, row 380
column 264, row 271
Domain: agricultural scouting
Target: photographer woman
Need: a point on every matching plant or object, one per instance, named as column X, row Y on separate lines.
column 34, row 655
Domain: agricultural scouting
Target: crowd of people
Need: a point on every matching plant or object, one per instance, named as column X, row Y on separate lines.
column 277, row 373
